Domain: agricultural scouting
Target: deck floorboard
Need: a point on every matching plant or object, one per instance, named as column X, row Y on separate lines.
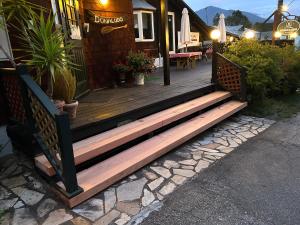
column 107, row 103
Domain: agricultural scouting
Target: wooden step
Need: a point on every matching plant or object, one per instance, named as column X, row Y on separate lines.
column 104, row 174
column 94, row 146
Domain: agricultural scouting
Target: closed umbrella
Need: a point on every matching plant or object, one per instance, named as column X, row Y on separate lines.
column 185, row 32
column 222, row 29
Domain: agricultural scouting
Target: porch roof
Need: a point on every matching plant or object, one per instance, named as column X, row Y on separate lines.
column 142, row 4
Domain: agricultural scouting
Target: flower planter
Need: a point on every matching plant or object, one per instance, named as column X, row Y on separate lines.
column 140, row 79
column 71, row 109
column 59, row 105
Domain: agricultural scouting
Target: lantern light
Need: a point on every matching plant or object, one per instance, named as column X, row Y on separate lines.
column 103, row 2
column 215, row 34
column 284, row 8
column 231, row 39
column 277, row 34
column 249, row 34
column 294, row 35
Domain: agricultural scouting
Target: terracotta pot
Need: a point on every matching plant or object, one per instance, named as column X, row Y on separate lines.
column 59, row 105
column 140, row 79
column 71, row 109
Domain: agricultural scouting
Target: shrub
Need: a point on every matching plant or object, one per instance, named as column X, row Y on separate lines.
column 139, row 62
column 271, row 70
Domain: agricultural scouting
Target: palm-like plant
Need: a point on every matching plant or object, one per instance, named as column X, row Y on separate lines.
column 45, row 45
column 18, row 10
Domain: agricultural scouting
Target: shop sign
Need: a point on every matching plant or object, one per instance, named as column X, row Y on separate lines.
column 195, row 40
column 106, row 20
column 289, row 27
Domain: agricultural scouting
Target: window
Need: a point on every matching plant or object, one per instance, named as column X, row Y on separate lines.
column 143, row 26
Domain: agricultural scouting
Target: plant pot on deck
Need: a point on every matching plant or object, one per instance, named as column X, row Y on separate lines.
column 59, row 105
column 71, row 109
column 140, row 79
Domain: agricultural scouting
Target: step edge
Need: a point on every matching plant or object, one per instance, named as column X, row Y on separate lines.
column 74, row 201
column 44, row 165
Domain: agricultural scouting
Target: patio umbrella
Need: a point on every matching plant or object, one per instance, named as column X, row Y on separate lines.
column 222, row 29
column 185, row 32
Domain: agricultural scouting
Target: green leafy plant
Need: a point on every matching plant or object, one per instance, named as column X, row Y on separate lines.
column 139, row 62
column 44, row 43
column 65, row 86
column 271, row 70
column 18, row 11
column 121, row 68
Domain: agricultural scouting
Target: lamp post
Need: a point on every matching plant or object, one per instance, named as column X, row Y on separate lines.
column 215, row 35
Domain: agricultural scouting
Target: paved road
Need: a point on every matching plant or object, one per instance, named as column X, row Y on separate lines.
column 259, row 183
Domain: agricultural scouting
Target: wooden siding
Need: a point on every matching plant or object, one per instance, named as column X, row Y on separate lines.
column 103, row 50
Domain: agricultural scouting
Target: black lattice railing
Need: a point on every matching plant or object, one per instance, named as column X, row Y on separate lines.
column 51, row 130
column 228, row 75
column 11, row 91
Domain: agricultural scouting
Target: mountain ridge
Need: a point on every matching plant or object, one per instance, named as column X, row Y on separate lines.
column 212, row 11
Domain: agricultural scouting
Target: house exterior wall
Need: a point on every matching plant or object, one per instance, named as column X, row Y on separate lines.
column 152, row 48
column 102, row 51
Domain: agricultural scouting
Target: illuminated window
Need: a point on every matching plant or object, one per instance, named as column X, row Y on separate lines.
column 143, row 26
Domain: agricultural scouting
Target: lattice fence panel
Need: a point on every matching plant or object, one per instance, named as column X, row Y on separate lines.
column 46, row 127
column 228, row 76
column 13, row 95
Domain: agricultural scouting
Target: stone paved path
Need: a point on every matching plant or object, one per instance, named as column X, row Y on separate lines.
column 26, row 199
column 257, row 184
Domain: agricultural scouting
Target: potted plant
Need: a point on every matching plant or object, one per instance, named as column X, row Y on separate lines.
column 122, row 70
column 65, row 89
column 46, row 50
column 140, row 65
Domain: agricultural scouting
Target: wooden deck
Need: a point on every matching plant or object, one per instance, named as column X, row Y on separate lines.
column 103, row 105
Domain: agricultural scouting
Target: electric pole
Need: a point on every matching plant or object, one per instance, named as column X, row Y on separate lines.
column 277, row 19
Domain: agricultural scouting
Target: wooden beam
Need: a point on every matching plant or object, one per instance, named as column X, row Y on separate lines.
column 164, row 40
column 277, row 19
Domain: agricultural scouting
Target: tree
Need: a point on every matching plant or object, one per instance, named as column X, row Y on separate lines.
column 238, row 18
column 216, row 19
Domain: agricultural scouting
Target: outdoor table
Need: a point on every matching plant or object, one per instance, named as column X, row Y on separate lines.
column 186, row 59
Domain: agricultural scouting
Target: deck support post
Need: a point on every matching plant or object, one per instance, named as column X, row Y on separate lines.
column 214, row 62
column 165, row 45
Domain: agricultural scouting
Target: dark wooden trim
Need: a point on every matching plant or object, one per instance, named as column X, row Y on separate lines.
column 165, row 45
column 91, row 129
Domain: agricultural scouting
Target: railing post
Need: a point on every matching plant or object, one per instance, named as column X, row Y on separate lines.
column 67, row 155
column 214, row 62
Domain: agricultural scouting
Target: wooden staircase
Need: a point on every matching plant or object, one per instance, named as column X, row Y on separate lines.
column 82, row 169
column 200, row 113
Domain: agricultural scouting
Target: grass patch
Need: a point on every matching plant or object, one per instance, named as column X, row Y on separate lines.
column 276, row 108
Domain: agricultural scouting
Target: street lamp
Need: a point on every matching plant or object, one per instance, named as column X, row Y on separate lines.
column 277, row 34
column 215, row 35
column 249, row 34
column 284, row 8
